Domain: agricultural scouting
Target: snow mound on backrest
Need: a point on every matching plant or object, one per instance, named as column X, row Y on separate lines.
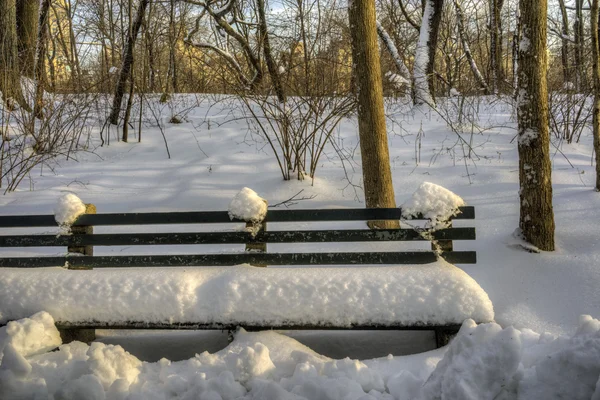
column 30, row 336
column 68, row 209
column 435, row 202
column 247, row 205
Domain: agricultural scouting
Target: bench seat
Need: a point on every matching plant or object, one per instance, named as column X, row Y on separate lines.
column 435, row 294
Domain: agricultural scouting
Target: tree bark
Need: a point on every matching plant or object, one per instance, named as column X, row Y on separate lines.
column 536, row 213
column 596, row 75
column 580, row 75
column 377, row 177
column 10, row 84
column 271, row 66
column 423, row 70
column 465, row 44
column 27, row 33
column 564, row 51
column 496, row 44
column 40, row 61
column 127, row 62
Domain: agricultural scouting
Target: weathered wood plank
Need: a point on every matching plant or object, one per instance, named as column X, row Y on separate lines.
column 374, row 258
column 318, row 236
column 206, row 217
column 291, row 325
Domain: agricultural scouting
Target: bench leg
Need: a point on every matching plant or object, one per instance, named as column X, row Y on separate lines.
column 443, row 336
column 79, row 335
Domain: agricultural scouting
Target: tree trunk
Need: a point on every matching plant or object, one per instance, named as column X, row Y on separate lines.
column 580, row 76
column 536, row 214
column 465, row 44
column 10, row 84
column 271, row 66
column 565, row 42
column 377, row 177
column 391, row 48
column 27, row 34
column 496, row 44
column 40, row 61
column 423, row 70
column 127, row 62
column 596, row 68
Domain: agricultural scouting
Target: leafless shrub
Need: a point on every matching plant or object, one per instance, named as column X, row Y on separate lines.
column 29, row 142
column 570, row 114
column 298, row 129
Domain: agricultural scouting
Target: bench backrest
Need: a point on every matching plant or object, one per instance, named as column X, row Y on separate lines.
column 83, row 239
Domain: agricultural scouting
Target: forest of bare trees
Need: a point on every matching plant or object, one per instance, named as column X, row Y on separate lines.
column 429, row 48
column 304, row 64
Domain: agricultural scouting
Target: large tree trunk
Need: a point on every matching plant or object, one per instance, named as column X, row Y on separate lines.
column 377, row 177
column 595, row 60
column 10, row 84
column 27, row 32
column 423, row 70
column 536, row 214
column 127, row 62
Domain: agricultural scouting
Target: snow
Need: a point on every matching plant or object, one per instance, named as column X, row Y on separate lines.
column 396, row 80
column 435, row 202
column 484, row 361
column 436, row 293
column 215, row 153
column 247, row 205
column 527, row 137
column 68, row 208
column 30, row 336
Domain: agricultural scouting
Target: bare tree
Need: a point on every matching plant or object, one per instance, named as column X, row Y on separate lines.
column 536, row 213
column 496, row 44
column 27, row 34
column 595, row 60
column 127, row 62
column 10, row 83
column 465, row 44
column 423, row 70
column 377, row 177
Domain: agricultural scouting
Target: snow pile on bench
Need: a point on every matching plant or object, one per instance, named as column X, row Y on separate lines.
column 68, row 208
column 436, row 294
column 435, row 202
column 247, row 205
column 484, row 362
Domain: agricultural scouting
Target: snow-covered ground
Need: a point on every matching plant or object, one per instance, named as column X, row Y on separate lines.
column 211, row 162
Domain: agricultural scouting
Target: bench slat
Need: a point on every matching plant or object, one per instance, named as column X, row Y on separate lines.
column 375, row 258
column 206, row 217
column 248, row 327
column 241, row 237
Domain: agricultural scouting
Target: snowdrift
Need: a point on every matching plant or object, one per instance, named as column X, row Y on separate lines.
column 484, row 362
column 435, row 294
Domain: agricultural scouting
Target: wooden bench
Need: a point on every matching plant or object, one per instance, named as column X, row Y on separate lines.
column 83, row 240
